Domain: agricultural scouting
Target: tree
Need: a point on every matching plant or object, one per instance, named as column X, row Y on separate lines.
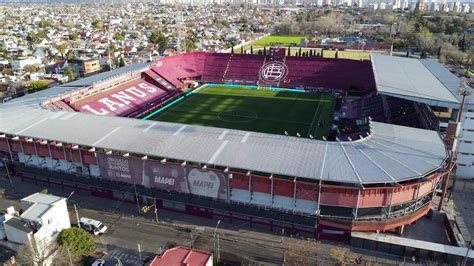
column 7, row 72
column 264, row 50
column 70, row 73
column 336, row 55
column 190, row 45
column 31, row 37
column 36, row 253
column 289, row 51
column 251, row 49
column 342, row 255
column 232, row 50
column 159, row 40
column 425, row 43
column 322, row 52
column 97, row 24
column 70, row 55
column 73, row 36
column 299, row 52
column 45, row 24
column 78, row 241
column 37, row 86
column 120, row 37
column 122, row 62
column 329, row 24
column 41, row 35
column 32, row 68
column 62, row 48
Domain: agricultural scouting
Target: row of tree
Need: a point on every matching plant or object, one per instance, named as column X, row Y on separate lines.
column 300, row 52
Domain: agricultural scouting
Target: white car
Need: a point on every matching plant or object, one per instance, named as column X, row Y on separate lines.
column 92, row 226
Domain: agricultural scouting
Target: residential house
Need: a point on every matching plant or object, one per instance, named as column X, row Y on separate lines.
column 38, row 223
column 18, row 66
column 183, row 256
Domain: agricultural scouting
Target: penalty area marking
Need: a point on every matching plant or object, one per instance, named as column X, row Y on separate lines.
column 312, row 122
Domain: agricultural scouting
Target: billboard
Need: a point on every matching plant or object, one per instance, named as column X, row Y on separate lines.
column 186, row 179
column 170, row 177
column 122, row 169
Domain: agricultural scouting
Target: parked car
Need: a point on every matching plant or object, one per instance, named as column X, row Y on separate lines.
column 92, row 226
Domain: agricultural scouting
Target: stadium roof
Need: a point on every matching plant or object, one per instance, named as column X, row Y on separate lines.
column 390, row 154
column 420, row 80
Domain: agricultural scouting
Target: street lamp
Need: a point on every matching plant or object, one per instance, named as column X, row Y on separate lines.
column 70, row 195
column 75, row 208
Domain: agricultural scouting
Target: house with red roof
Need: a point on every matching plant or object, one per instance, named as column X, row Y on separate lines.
column 183, row 256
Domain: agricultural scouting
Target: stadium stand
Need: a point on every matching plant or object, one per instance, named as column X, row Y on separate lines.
column 243, row 69
column 178, row 68
column 214, row 68
column 157, row 80
column 122, row 100
column 343, row 74
column 382, row 108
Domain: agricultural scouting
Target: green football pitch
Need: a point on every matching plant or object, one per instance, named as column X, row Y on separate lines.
column 260, row 110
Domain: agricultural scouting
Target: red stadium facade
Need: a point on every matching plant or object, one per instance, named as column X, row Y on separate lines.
column 279, row 203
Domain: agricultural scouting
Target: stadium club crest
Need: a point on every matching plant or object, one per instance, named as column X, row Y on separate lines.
column 273, row 72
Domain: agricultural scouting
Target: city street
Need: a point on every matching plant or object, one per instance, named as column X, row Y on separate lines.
column 128, row 229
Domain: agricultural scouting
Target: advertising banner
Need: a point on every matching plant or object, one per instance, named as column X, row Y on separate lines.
column 122, row 169
column 164, row 176
column 186, row 179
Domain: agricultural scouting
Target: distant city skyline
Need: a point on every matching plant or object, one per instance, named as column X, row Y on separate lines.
column 186, row 2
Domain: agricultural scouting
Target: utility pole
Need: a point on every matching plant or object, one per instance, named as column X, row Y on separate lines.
column 77, row 215
column 139, row 251
column 108, row 42
column 218, row 250
column 464, row 91
column 136, row 198
column 215, row 245
column 8, row 172
column 69, row 254
column 464, row 261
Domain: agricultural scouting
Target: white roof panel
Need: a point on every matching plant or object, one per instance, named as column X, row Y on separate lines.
column 391, row 153
column 416, row 79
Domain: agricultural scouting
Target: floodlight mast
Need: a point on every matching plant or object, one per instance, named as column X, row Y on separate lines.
column 465, row 91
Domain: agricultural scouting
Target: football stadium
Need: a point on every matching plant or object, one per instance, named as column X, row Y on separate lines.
column 308, row 145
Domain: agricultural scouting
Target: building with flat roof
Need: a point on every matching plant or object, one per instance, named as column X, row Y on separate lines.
column 41, row 218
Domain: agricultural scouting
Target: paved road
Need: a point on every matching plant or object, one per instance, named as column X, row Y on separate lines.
column 128, row 229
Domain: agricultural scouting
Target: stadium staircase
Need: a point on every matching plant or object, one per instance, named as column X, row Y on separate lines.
column 264, row 62
column 157, row 80
column 227, row 68
column 214, row 66
column 61, row 105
